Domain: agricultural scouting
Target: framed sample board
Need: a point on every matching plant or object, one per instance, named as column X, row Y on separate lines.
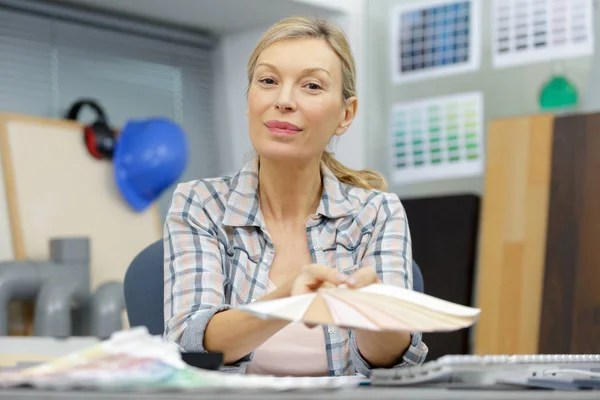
column 53, row 188
column 538, row 275
column 437, row 138
column 436, row 38
column 529, row 31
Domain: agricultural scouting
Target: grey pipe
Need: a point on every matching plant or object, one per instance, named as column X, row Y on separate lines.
column 20, row 280
column 72, row 255
column 105, row 309
column 69, row 286
column 61, row 286
column 53, row 308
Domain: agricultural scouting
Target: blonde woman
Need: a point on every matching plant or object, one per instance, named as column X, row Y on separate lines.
column 289, row 221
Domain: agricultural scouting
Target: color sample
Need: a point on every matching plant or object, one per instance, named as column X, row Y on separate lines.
column 434, row 39
column 375, row 307
column 437, row 138
column 435, row 36
column 527, row 31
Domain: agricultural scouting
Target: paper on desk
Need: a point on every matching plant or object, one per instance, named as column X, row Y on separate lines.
column 134, row 360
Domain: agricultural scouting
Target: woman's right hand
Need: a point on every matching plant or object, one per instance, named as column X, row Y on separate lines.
column 314, row 276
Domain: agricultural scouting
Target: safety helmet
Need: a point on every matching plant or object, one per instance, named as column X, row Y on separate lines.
column 150, row 155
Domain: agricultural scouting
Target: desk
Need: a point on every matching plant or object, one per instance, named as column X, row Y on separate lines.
column 362, row 393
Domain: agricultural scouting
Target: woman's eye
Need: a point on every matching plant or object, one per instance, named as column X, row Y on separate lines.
column 313, row 86
column 267, row 81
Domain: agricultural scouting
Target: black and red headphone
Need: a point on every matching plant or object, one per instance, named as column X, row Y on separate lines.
column 99, row 138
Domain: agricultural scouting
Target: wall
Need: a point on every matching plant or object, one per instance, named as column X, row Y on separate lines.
column 231, row 56
column 507, row 92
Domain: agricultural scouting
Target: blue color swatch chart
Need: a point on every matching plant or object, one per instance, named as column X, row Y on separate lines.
column 436, row 38
column 528, row 31
column 437, row 138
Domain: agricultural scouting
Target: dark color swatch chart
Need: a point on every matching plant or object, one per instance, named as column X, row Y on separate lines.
column 437, row 138
column 527, row 31
column 435, row 39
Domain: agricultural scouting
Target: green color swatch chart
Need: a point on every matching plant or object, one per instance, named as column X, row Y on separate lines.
column 437, row 138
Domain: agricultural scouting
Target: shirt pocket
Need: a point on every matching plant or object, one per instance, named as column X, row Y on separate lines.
column 243, row 256
column 347, row 247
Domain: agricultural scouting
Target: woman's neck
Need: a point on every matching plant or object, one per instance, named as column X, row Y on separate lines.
column 289, row 192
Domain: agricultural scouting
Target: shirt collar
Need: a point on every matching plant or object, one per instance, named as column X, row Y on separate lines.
column 243, row 209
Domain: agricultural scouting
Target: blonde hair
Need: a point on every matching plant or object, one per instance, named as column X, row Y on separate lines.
column 304, row 27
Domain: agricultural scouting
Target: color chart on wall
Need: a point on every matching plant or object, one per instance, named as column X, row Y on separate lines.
column 529, row 31
column 437, row 138
column 434, row 38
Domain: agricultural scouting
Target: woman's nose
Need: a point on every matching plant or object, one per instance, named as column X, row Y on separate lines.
column 285, row 102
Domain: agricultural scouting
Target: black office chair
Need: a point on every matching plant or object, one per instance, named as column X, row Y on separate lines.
column 144, row 288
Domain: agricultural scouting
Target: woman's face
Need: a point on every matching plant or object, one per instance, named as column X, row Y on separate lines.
column 295, row 102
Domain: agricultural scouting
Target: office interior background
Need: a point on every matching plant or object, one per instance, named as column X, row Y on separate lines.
column 515, row 238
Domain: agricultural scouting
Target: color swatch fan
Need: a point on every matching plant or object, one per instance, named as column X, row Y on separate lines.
column 376, row 307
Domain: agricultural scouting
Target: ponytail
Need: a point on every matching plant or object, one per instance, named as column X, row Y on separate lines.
column 366, row 179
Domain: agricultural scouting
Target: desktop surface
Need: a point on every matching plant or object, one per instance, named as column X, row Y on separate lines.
column 371, row 393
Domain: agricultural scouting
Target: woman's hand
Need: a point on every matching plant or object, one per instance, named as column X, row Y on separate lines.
column 314, row 276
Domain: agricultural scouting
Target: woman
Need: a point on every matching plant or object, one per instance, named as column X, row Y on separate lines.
column 292, row 220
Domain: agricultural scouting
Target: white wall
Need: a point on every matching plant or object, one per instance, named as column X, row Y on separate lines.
column 230, row 101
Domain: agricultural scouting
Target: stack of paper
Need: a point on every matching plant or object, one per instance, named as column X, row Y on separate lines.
column 376, row 307
column 133, row 360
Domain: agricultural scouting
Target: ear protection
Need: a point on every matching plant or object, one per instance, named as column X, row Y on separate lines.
column 99, row 138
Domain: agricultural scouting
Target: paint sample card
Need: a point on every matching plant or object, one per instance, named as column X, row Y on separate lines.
column 434, row 39
column 529, row 31
column 437, row 138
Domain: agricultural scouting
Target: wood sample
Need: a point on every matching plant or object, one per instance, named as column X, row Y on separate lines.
column 539, row 266
column 571, row 296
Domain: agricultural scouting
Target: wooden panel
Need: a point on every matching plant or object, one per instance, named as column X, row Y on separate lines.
column 54, row 188
column 513, row 234
column 444, row 235
column 571, row 297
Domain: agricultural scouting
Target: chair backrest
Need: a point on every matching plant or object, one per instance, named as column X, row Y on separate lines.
column 418, row 283
column 144, row 288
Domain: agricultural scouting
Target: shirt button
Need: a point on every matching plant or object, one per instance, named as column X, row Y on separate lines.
column 337, row 373
column 331, row 330
column 317, row 247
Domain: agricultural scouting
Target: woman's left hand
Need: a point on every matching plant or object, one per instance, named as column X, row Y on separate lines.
column 361, row 278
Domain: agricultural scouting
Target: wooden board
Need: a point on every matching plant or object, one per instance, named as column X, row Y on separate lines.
column 513, row 234
column 6, row 246
column 571, row 296
column 54, row 188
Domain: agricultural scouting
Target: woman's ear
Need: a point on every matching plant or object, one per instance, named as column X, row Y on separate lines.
column 348, row 116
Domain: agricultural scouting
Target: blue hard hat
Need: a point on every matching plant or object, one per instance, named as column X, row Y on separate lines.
column 150, row 155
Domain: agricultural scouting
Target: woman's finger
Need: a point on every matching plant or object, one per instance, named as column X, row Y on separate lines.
column 362, row 277
column 324, row 273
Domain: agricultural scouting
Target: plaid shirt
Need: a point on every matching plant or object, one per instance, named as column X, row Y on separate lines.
column 217, row 255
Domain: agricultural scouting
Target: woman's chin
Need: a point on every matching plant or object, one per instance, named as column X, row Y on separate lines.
column 281, row 151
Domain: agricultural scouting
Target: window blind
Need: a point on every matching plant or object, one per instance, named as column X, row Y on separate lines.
column 47, row 62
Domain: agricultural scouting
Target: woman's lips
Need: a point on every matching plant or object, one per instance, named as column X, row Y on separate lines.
column 282, row 128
